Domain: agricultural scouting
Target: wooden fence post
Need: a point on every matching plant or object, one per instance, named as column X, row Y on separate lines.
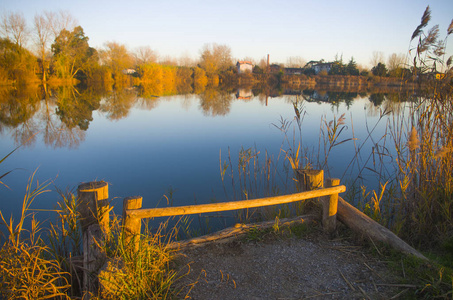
column 330, row 204
column 93, row 207
column 132, row 225
column 314, row 179
column 310, row 179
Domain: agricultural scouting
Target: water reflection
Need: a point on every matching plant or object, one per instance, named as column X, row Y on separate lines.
column 118, row 103
column 244, row 94
column 63, row 114
column 214, row 102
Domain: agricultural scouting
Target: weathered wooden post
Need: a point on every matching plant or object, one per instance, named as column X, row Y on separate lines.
column 330, row 204
column 310, row 179
column 314, row 179
column 132, row 225
column 93, row 207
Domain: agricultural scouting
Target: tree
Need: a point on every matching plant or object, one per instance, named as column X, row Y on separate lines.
column 14, row 27
column 117, row 58
column 215, row 59
column 185, row 60
column 59, row 21
column 16, row 63
column 72, row 54
column 42, row 36
column 379, row 70
column 295, row 62
column 47, row 27
column 263, row 63
column 351, row 68
column 377, row 57
column 396, row 64
column 168, row 61
column 145, row 55
column 338, row 67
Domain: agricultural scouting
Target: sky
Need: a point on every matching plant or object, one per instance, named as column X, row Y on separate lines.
column 312, row 30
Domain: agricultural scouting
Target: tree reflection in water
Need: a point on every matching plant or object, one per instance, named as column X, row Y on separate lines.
column 63, row 114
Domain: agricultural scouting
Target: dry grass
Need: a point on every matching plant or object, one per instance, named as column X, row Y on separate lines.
column 32, row 269
column 27, row 267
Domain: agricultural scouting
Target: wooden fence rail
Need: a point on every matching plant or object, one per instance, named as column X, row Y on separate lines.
column 233, row 205
column 313, row 181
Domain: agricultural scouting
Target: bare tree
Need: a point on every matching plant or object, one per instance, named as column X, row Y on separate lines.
column 168, row 60
column 395, row 61
column 295, row 62
column 145, row 55
column 59, row 21
column 263, row 63
column 42, row 36
column 376, row 58
column 186, row 60
column 14, row 27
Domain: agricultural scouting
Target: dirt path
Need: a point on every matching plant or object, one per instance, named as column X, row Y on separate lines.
column 283, row 266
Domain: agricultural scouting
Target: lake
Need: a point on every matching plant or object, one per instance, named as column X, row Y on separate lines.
column 175, row 145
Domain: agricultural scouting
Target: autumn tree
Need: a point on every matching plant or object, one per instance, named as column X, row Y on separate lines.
column 71, row 53
column 144, row 55
column 117, row 58
column 17, row 64
column 42, row 38
column 14, row 27
column 215, row 59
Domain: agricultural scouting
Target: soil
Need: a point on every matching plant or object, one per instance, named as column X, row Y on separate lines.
column 265, row 265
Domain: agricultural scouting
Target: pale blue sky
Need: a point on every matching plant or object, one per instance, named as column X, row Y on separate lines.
column 312, row 30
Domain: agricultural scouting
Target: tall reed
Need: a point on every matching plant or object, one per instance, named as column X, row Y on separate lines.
column 28, row 270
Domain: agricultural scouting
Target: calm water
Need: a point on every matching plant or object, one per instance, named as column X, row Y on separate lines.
column 163, row 146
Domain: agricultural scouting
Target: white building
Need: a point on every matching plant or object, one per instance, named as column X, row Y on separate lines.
column 322, row 67
column 244, row 66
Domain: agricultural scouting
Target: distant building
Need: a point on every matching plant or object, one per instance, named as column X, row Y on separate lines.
column 244, row 66
column 129, row 71
column 274, row 68
column 293, row 71
column 319, row 67
column 310, row 64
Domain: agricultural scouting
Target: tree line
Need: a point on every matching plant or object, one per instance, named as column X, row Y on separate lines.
column 56, row 49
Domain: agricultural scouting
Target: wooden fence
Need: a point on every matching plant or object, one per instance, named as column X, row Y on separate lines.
column 94, row 207
column 94, row 212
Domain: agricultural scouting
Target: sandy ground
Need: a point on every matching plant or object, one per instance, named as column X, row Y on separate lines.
column 283, row 266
